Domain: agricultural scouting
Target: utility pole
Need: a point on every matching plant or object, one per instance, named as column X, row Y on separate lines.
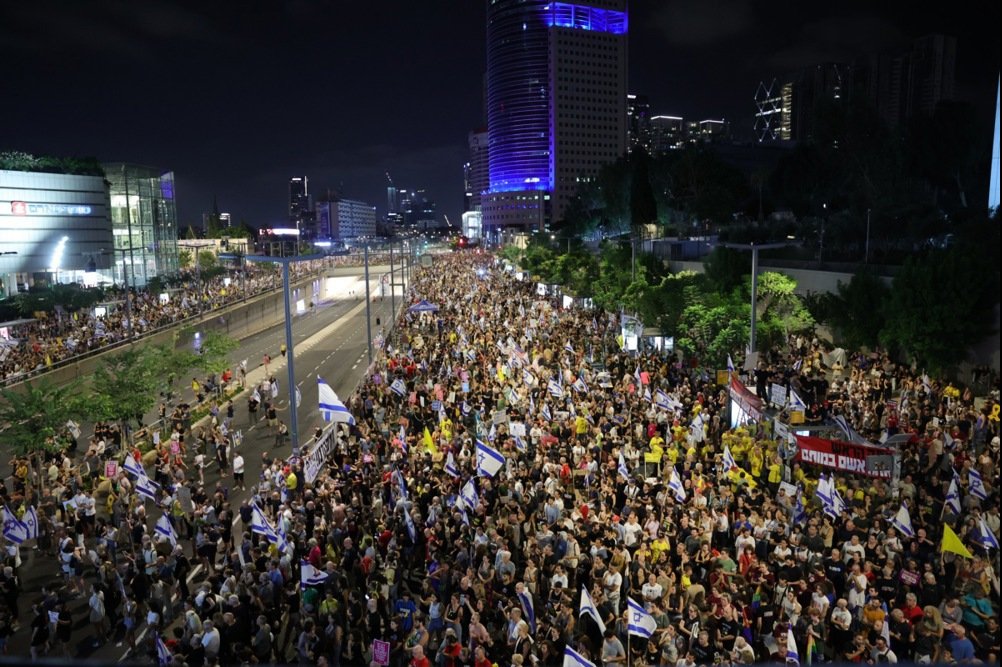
column 393, row 298
column 368, row 314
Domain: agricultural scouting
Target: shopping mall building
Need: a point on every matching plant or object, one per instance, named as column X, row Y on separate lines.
column 89, row 229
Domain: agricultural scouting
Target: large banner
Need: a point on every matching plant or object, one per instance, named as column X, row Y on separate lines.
column 313, row 462
column 845, row 456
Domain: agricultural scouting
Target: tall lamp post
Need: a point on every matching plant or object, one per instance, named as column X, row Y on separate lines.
column 755, row 247
column 289, row 350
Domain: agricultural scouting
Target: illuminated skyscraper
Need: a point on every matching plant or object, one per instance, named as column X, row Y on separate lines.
column 556, row 104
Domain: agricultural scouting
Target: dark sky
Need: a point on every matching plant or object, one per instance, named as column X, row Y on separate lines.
column 237, row 97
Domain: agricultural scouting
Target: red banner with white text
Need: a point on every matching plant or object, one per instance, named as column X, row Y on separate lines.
column 844, row 456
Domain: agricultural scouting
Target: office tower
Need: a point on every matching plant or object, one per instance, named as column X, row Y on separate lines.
column 930, row 74
column 144, row 220
column 774, row 111
column 299, row 198
column 556, row 104
column 477, row 172
column 666, row 133
column 392, row 205
column 638, row 121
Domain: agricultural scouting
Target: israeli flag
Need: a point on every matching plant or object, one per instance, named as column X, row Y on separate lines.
column 331, row 407
column 469, row 355
column 661, row 400
column 824, row 490
column 640, row 623
column 729, row 462
column 525, row 598
column 986, row 537
column 546, row 412
column 574, row 659
column 465, row 408
column 401, row 483
column 402, row 436
column 468, row 494
column 647, row 394
column 489, row 460
column 847, row 430
column 637, row 376
column 14, row 530
column 311, row 576
column 411, row 530
column 796, row 402
column 519, row 443
column 492, row 434
column 568, row 347
column 146, row 487
column 587, row 606
column 953, row 497
column 622, row 469
column 799, row 513
column 399, row 387
column 132, row 466
column 30, row 521
column 792, row 654
column 580, row 386
column 730, row 363
column 976, row 486
column 903, row 522
column 164, row 656
column 675, row 484
column 528, row 378
column 555, row 389
column 165, row 528
column 450, row 466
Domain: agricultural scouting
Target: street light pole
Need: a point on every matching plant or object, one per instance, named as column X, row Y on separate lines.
column 393, row 298
column 368, row 315
column 754, row 294
column 290, row 350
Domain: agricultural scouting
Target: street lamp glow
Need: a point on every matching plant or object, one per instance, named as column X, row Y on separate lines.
column 57, row 254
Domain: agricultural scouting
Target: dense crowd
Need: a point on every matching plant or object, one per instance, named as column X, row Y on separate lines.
column 510, row 465
column 38, row 344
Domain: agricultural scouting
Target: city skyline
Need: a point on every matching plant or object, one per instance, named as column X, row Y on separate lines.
column 236, row 103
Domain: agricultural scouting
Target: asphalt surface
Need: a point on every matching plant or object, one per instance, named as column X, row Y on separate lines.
column 340, row 357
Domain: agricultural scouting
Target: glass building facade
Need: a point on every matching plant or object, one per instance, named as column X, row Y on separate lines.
column 144, row 223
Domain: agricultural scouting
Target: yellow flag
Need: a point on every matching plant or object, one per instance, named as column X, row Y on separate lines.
column 428, row 442
column 953, row 544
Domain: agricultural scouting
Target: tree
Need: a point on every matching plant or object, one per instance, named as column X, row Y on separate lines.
column 34, row 415
column 780, row 311
column 941, row 304
column 726, row 268
column 213, row 351
column 856, row 313
column 184, row 258
column 126, row 386
column 206, row 259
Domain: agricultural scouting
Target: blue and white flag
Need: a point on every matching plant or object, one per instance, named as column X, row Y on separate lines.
column 976, row 485
column 411, row 530
column 332, row 409
column 166, row 529
column 730, row 363
column 796, row 403
column 555, row 389
column 986, row 537
column 792, row 654
column 647, row 394
column 146, row 487
column 824, row 490
column 729, row 462
column 468, row 494
column 465, row 408
column 850, row 434
column 622, row 469
column 574, row 659
column 640, row 623
column 260, row 524
column 532, row 405
column 520, row 443
column 399, row 387
column 525, row 598
column 637, row 376
column 14, row 530
column 568, row 347
column 402, row 436
column 587, row 606
column 450, row 466
column 311, row 576
column 547, row 415
column 401, row 483
column 489, row 460
column 132, row 466
column 580, row 386
column 799, row 513
column 953, row 497
column 164, row 656
column 492, row 434
column 661, row 400
column 470, row 356
column 528, row 378
column 30, row 521
column 903, row 521
column 675, row 484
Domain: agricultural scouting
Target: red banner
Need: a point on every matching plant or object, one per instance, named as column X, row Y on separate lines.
column 839, row 455
column 749, row 402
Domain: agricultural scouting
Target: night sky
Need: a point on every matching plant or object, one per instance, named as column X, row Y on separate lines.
column 237, row 97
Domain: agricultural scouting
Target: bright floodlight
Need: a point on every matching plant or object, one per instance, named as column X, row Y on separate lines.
column 57, row 254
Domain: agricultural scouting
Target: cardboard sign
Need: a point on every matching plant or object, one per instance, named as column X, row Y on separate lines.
column 778, row 394
column 183, row 494
column 500, row 417
column 380, row 652
column 111, row 469
column 517, row 428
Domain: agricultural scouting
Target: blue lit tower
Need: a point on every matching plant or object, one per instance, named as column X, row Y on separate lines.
column 556, row 104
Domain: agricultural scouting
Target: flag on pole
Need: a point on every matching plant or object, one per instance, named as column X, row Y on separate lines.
column 166, row 529
column 661, row 400
column 729, row 462
column 647, row 394
column 468, row 494
column 637, row 376
column 528, row 378
column 399, row 387
column 986, row 537
column 332, row 409
column 574, row 659
column 953, row 497
column 30, row 521
column 402, row 436
column 520, row 443
column 580, row 386
column 622, row 469
column 568, row 347
column 976, row 485
column 640, row 623
column 525, row 598
column 903, row 522
column 450, row 466
column 411, row 530
column 675, row 484
column 132, row 466
column 466, row 408
column 547, row 415
column 587, row 606
column 428, row 442
column 146, row 487
column 799, row 513
column 952, row 543
column 796, row 403
column 489, row 460
column 792, row 654
column 311, row 576
column 730, row 364
column 555, row 389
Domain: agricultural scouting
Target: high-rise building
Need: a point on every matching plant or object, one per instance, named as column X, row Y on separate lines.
column 556, row 104
column 299, row 198
column 477, row 170
column 774, row 111
column 638, row 121
column 344, row 219
column 930, row 74
column 666, row 133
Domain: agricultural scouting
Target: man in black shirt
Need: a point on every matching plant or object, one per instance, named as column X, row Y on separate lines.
column 835, row 571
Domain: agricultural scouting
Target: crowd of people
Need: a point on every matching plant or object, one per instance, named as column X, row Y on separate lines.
column 37, row 344
column 513, row 485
